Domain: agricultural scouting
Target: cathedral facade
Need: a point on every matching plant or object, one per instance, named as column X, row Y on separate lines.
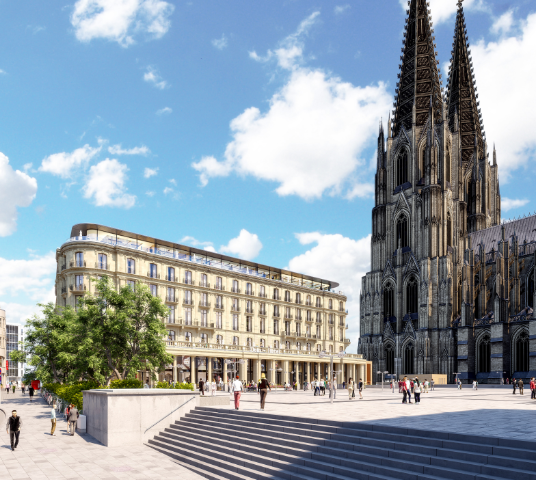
column 451, row 287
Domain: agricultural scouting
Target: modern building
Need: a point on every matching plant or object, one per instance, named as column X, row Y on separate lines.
column 3, row 345
column 14, row 335
column 450, row 290
column 226, row 314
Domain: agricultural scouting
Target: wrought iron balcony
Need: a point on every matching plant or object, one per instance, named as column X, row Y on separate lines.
column 171, row 299
column 187, row 301
column 219, row 287
column 187, row 281
column 78, row 288
column 204, row 284
column 169, row 278
column 153, row 275
column 262, row 295
column 204, row 304
column 235, row 290
column 77, row 264
column 101, row 266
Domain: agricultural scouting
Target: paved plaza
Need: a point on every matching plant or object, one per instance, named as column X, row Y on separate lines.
column 487, row 412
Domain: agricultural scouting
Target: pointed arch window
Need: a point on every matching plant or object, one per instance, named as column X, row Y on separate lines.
column 402, row 231
column 409, row 356
column 530, row 290
column 390, row 359
column 389, row 301
column 449, row 230
column 448, row 167
column 402, row 168
column 522, row 353
column 484, row 355
column 412, row 296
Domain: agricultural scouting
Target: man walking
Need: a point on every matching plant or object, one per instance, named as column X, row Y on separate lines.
column 514, row 384
column 532, row 389
column 30, row 392
column 237, row 391
column 201, row 386
column 13, row 426
column 432, row 384
column 360, row 386
column 520, row 384
column 264, row 385
column 53, row 420
column 73, row 419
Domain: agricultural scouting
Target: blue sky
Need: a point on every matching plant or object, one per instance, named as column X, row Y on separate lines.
column 248, row 128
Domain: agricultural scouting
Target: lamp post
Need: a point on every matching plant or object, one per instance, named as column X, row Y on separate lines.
column 382, row 377
column 324, row 354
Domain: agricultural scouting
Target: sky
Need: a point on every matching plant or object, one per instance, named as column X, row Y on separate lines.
column 246, row 128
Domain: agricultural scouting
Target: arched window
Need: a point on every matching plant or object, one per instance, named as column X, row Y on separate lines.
column 308, row 300
column 530, row 289
column 449, row 230
column 448, row 167
column 341, row 307
column 460, row 296
column 402, row 168
column 389, row 301
column 412, row 296
column 389, row 359
column 318, row 304
column 409, row 355
column 131, row 266
column 522, row 353
column 188, row 336
column 402, row 232
column 276, row 343
column 171, row 335
column 219, row 339
column 298, row 298
column 484, row 354
column 263, row 342
column 330, row 304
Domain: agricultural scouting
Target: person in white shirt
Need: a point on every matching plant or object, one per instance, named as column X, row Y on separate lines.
column 237, row 390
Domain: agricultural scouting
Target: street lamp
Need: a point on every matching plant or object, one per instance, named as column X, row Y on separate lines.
column 382, row 377
column 323, row 354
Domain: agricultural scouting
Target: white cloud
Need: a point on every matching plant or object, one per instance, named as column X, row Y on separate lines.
column 65, row 164
column 17, row 189
column 164, row 111
column 117, row 150
column 506, row 91
column 27, row 166
column 511, row 203
column 168, row 190
column 152, row 76
column 208, row 246
column 2, row 72
column 173, row 181
column 311, row 139
column 246, row 246
column 120, row 20
column 341, row 9
column 503, row 24
column 339, row 259
column 150, row 194
column 360, row 190
column 150, row 172
column 106, row 185
column 443, row 10
column 220, row 43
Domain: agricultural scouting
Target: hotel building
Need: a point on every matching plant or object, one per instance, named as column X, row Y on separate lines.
column 226, row 315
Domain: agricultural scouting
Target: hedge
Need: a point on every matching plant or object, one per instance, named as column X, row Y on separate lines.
column 178, row 386
column 127, row 383
column 71, row 393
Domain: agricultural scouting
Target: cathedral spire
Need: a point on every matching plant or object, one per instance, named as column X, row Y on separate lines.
column 461, row 92
column 418, row 53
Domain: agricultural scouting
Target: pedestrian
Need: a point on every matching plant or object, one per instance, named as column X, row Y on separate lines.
column 520, row 384
column 202, row 386
column 13, row 386
column 13, row 426
column 323, row 387
column 514, row 384
column 7, row 386
column 360, row 387
column 237, row 390
column 213, row 387
column 53, row 419
column 147, row 384
column 333, row 389
column 532, row 389
column 73, row 418
column 432, row 384
column 351, row 393
column 23, row 387
column 408, row 388
column 404, row 390
column 31, row 392
column 417, row 390
column 474, row 384
column 263, row 387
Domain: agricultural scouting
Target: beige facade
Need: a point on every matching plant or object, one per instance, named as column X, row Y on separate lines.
column 3, row 342
column 275, row 321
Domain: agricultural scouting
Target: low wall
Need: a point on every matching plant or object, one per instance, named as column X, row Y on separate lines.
column 131, row 416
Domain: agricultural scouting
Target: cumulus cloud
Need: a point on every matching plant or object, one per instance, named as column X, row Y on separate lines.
column 220, row 43
column 511, row 203
column 150, row 172
column 443, row 10
column 106, row 185
column 164, row 111
column 339, row 259
column 504, row 23
column 208, row 246
column 118, row 150
column 17, row 189
column 311, row 139
column 507, row 93
column 120, row 20
column 65, row 164
column 246, row 245
column 151, row 76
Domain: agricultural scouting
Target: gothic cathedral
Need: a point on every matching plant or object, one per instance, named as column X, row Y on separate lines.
column 451, row 288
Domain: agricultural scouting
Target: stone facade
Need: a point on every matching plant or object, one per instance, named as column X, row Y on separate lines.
column 441, row 296
column 3, row 344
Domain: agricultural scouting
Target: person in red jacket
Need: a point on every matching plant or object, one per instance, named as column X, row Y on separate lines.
column 532, row 389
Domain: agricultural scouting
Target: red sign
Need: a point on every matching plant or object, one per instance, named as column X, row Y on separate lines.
column 7, row 364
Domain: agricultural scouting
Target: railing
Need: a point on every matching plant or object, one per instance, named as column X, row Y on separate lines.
column 63, row 267
column 78, row 288
column 276, row 297
column 153, row 275
column 131, row 271
column 298, row 317
column 204, row 284
column 288, row 316
column 262, row 312
column 262, row 295
column 309, row 304
column 187, row 301
column 318, row 320
column 235, row 290
column 77, row 264
column 101, row 266
column 249, row 310
column 309, row 319
column 204, row 304
column 219, row 306
column 219, row 287
column 63, row 289
column 299, row 302
column 187, row 281
column 262, row 330
column 249, row 292
column 277, row 315
column 235, row 309
column 171, row 299
column 169, row 278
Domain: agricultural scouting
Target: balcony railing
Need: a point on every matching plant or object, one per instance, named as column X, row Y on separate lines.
column 318, row 320
column 77, row 288
column 101, row 266
column 63, row 289
column 235, row 290
column 187, row 281
column 309, row 303
column 131, row 271
column 249, row 292
column 153, row 275
column 204, row 304
column 309, row 319
column 171, row 299
column 262, row 295
column 298, row 317
column 63, row 267
column 219, row 306
column 276, row 297
column 235, row 308
column 170, row 278
column 219, row 287
column 187, row 301
column 299, row 302
column 249, row 310
column 262, row 312
column 77, row 264
column 277, row 315
column 262, row 330
column 288, row 316
column 204, row 284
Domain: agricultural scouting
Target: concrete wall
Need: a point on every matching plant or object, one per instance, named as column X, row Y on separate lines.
column 131, row 416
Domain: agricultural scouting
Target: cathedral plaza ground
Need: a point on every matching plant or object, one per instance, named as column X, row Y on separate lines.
column 489, row 411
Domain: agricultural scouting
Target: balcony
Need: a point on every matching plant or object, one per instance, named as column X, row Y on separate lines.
column 153, row 275
column 218, row 306
column 63, row 290
column 298, row 317
column 249, row 310
column 346, row 327
column 235, row 309
column 188, row 301
column 276, row 297
column 277, row 315
column 77, row 264
column 347, row 340
column 308, row 304
column 203, row 304
column 249, row 292
column 235, row 290
column 262, row 295
column 204, row 284
column 309, row 319
column 187, row 281
column 331, row 322
column 131, row 271
column 262, row 312
column 101, row 266
column 77, row 288
column 288, row 316
column 169, row 278
column 219, row 287
column 299, row 302
column 318, row 320
column 202, row 324
column 262, row 330
column 171, row 299
column 63, row 267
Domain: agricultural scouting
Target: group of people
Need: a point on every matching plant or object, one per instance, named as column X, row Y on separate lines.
column 519, row 384
column 207, row 386
column 352, row 387
column 413, row 387
column 12, row 387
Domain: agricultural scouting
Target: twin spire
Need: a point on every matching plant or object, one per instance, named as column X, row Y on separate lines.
column 420, row 85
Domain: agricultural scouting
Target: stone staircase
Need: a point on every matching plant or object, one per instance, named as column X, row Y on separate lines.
column 220, row 443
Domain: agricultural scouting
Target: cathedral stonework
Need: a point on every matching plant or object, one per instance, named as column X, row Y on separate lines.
column 451, row 288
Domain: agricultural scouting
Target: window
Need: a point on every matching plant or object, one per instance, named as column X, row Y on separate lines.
column 341, row 335
column 449, row 230
column 218, row 320
column 530, row 288
column 298, row 314
column 170, row 297
column 262, row 309
column 204, row 280
column 154, row 290
column 402, row 168
column 308, row 300
column 402, row 232
column 152, row 270
column 276, row 310
column 171, row 335
column 79, row 259
column 249, row 306
column 102, row 261
column 131, row 284
column 330, row 318
column 235, row 304
column 298, row 345
column 187, row 316
column 276, row 294
column 249, row 324
column 235, row 287
column 287, row 328
column 287, row 296
column 330, row 304
column 308, row 331
column 318, row 302
column 389, row 301
column 341, row 307
column 262, row 292
column 79, row 282
column 276, row 327
column 484, row 354
column 203, row 314
column 249, row 289
column 309, row 316
column 298, row 298
column 188, row 336
column 389, row 359
column 235, row 340
column 318, row 332
column 249, row 342
column 219, row 301
column 204, row 300
column 318, row 347
column 287, row 313
column 276, row 343
column 287, row 345
column 522, row 353
column 298, row 329
column 331, row 333
column 219, row 339
column 204, row 338
column 131, row 266
column 448, row 167
column 188, row 277
column 188, row 297
column 171, row 316
column 318, row 317
column 170, row 274
column 219, row 283
column 308, row 347
column 409, row 355
column 262, row 325
column 412, row 296
column 263, row 343
column 235, row 322
column 331, row 349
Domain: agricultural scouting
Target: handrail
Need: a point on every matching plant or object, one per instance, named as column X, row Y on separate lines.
column 180, row 406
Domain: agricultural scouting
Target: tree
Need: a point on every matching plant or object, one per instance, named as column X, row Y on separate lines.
column 123, row 331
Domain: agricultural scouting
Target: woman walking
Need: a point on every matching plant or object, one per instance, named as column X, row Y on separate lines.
column 264, row 385
column 351, row 393
column 417, row 390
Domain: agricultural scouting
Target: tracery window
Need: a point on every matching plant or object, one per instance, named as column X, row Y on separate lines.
column 522, row 353
column 412, row 296
column 484, row 354
column 530, row 290
column 449, row 230
column 402, row 168
column 409, row 355
column 402, row 232
column 389, row 301
column 448, row 167
column 390, row 359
